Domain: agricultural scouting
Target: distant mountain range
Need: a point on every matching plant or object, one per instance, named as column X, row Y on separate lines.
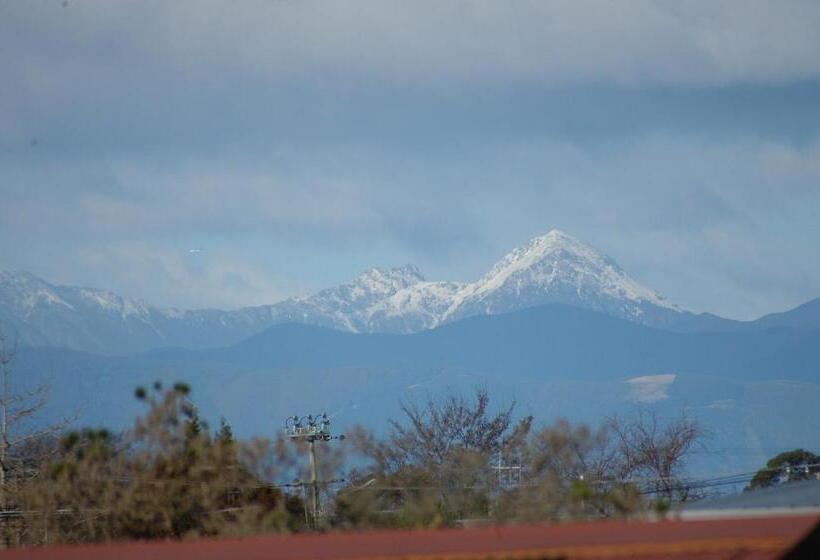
column 555, row 326
column 552, row 269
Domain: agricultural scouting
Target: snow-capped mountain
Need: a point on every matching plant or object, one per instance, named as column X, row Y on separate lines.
column 557, row 268
column 397, row 300
column 554, row 268
column 37, row 313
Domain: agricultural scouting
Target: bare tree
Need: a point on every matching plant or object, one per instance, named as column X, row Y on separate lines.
column 436, row 429
column 433, row 467
column 653, row 452
column 18, row 408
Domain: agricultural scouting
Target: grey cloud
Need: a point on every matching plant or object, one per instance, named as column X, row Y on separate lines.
column 300, row 142
column 214, row 123
column 553, row 42
column 167, row 276
column 213, row 74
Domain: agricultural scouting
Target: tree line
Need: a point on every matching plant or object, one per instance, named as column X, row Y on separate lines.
column 448, row 461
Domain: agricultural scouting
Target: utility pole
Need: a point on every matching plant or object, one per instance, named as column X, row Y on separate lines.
column 311, row 429
column 314, row 480
column 508, row 473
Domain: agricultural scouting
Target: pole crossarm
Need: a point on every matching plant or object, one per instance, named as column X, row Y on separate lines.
column 311, row 428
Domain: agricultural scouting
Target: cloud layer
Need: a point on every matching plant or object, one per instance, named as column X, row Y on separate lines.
column 297, row 143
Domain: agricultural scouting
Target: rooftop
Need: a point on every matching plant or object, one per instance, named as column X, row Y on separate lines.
column 801, row 497
column 756, row 538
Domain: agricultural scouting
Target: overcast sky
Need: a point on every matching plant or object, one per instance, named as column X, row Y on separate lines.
column 296, row 143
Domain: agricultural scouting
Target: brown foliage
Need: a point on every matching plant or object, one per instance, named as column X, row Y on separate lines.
column 568, row 473
column 437, row 468
column 167, row 478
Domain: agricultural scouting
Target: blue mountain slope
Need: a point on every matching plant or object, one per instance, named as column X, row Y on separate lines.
column 805, row 316
column 547, row 341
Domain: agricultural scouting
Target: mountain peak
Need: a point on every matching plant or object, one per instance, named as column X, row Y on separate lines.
column 554, row 241
column 555, row 268
column 555, row 246
column 554, row 235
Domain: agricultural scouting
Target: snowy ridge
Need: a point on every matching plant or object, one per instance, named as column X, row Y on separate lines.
column 24, row 292
column 553, row 268
column 395, row 300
